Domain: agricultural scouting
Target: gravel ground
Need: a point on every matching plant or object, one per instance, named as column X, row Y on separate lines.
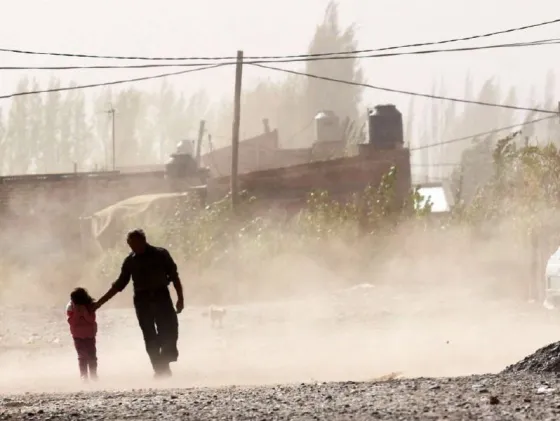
column 308, row 345
column 467, row 398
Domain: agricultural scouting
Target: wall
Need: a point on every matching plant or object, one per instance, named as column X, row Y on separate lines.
column 49, row 206
column 254, row 154
column 341, row 177
column 263, row 152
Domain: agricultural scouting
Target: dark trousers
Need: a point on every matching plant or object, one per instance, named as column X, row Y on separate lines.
column 87, row 356
column 158, row 320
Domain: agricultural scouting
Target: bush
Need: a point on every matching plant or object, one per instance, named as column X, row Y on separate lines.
column 213, row 236
column 525, row 186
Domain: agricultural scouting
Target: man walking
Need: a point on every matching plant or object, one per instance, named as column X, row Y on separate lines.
column 152, row 269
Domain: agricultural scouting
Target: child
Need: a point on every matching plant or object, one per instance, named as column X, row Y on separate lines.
column 83, row 328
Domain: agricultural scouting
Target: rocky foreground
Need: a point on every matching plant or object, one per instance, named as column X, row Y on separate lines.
column 466, row 398
column 359, row 334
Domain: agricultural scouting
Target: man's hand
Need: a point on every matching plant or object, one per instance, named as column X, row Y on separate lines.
column 108, row 295
column 179, row 289
column 180, row 305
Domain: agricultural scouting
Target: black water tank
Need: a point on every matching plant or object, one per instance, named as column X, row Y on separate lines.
column 385, row 127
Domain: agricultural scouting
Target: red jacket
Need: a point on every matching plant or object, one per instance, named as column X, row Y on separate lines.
column 82, row 321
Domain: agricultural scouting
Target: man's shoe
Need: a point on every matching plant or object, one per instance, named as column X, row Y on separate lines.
column 163, row 372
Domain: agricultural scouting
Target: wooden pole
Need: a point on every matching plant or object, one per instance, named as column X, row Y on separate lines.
column 235, row 130
column 111, row 112
column 199, row 141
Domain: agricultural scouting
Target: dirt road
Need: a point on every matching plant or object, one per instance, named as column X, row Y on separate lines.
column 358, row 334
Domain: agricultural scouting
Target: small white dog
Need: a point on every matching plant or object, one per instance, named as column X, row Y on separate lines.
column 216, row 315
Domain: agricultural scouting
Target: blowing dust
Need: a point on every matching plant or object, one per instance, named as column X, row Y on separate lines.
column 439, row 303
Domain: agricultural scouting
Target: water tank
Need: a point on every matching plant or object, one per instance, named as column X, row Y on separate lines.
column 185, row 147
column 182, row 162
column 385, row 127
column 327, row 127
column 180, row 165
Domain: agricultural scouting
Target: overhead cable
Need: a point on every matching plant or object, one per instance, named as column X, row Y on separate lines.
column 411, row 93
column 551, row 41
column 423, row 44
column 110, row 83
column 473, row 136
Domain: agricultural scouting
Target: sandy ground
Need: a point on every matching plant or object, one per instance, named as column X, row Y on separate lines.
column 356, row 335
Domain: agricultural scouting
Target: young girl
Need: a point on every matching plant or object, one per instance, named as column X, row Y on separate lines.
column 83, row 328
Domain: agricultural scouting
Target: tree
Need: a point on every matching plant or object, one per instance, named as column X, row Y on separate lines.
column 51, row 127
column 82, row 145
column 2, row 142
column 344, row 100
column 129, row 114
column 35, row 126
column 64, row 148
column 291, row 104
column 552, row 126
column 101, row 127
column 165, row 105
column 17, row 133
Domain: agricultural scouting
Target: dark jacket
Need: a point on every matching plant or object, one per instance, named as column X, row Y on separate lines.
column 152, row 270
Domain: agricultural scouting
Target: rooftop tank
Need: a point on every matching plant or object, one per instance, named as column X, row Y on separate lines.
column 385, row 127
column 327, row 127
column 182, row 162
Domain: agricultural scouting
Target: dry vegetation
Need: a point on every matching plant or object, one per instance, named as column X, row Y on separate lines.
column 358, row 291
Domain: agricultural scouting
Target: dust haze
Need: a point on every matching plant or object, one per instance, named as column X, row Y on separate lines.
column 433, row 302
column 437, row 303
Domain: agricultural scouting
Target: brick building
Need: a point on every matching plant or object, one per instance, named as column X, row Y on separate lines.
column 266, row 170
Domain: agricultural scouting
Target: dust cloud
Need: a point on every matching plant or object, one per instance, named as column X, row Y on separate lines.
column 435, row 303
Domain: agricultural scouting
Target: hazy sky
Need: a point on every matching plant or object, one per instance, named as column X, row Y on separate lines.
column 220, row 27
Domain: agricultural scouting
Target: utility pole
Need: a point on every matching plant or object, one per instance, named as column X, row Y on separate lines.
column 235, row 130
column 111, row 112
column 199, row 141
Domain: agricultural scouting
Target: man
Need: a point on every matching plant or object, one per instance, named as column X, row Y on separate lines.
column 152, row 269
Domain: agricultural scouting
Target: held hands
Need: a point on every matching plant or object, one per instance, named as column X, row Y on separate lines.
column 180, row 305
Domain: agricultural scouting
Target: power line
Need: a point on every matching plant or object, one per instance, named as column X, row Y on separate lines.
column 398, row 91
column 110, row 83
column 551, row 41
column 501, row 129
column 138, row 79
column 423, row 44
